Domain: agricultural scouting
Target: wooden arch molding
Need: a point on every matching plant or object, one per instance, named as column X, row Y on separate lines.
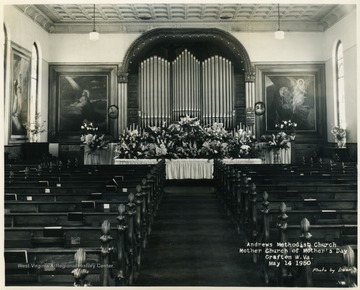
column 227, row 42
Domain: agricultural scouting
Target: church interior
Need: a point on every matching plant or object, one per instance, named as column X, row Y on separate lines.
column 180, row 144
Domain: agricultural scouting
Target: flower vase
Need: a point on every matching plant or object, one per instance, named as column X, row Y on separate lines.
column 341, row 143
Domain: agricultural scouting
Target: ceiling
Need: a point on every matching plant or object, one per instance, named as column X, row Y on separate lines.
column 133, row 18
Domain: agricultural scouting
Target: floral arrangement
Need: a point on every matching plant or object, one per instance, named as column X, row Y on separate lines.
column 185, row 139
column 288, row 127
column 243, row 144
column 35, row 128
column 339, row 133
column 281, row 139
column 91, row 137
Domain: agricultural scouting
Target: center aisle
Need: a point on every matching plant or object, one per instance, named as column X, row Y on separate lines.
column 193, row 244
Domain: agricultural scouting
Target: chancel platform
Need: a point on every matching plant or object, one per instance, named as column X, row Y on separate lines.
column 188, row 168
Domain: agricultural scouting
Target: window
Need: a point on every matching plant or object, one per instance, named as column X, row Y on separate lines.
column 5, row 56
column 340, row 87
column 34, row 81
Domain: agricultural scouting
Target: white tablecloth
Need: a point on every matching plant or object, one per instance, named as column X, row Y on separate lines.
column 135, row 161
column 189, row 169
column 243, row 161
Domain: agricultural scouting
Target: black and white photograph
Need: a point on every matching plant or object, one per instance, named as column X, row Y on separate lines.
column 180, row 144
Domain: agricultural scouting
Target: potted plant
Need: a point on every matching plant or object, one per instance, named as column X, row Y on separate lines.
column 340, row 136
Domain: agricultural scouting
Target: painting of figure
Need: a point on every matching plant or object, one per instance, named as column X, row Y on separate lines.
column 291, row 97
column 82, row 98
column 20, row 92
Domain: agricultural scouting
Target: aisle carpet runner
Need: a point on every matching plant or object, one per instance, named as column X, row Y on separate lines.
column 193, row 244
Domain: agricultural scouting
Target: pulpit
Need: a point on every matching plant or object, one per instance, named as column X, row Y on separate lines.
column 279, row 156
column 103, row 156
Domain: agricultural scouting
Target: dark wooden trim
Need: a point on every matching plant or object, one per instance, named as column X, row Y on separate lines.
column 192, row 34
column 317, row 70
column 56, row 70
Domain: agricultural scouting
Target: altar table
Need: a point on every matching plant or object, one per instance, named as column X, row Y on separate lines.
column 178, row 168
column 135, row 161
column 189, row 168
column 243, row 161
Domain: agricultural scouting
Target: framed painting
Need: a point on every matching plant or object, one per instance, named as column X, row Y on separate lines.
column 80, row 93
column 293, row 92
column 20, row 92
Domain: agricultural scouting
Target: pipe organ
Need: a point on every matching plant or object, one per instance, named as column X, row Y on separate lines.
column 168, row 91
column 154, row 102
column 186, row 86
column 218, row 91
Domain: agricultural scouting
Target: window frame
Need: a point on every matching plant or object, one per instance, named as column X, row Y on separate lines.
column 339, row 86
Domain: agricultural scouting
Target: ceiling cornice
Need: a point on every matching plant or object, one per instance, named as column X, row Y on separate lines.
column 335, row 15
column 222, row 17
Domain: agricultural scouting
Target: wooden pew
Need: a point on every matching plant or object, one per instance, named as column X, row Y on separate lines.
column 232, row 183
column 126, row 254
column 134, row 216
column 298, row 270
column 259, row 220
column 47, row 266
column 63, row 206
column 94, row 266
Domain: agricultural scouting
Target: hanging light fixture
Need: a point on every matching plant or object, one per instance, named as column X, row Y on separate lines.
column 279, row 34
column 94, row 35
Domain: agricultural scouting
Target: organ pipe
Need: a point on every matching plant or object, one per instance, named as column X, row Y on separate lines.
column 154, row 92
column 187, row 87
column 167, row 84
column 212, row 92
column 141, row 88
column 186, row 69
column 204, row 100
column 218, row 91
